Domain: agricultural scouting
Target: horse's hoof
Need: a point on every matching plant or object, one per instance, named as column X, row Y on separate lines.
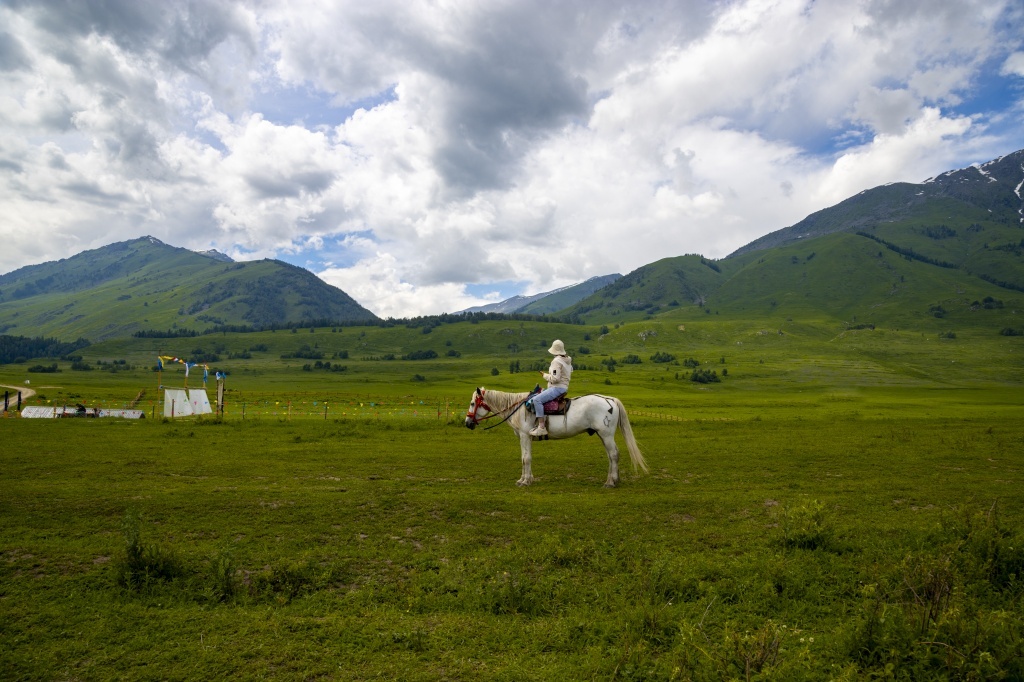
column 610, row 484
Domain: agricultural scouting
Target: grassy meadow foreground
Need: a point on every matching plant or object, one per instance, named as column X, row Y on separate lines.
column 786, row 547
column 842, row 505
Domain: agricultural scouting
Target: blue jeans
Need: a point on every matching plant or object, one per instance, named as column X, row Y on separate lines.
column 544, row 396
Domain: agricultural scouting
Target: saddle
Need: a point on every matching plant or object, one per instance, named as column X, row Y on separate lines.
column 558, row 406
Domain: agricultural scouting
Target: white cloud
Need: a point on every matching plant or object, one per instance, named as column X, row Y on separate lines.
column 377, row 284
column 906, row 157
column 502, row 142
column 1014, row 65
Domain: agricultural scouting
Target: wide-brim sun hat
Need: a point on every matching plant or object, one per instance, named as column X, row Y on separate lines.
column 557, row 348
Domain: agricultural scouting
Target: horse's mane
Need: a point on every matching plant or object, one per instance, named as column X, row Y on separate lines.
column 499, row 401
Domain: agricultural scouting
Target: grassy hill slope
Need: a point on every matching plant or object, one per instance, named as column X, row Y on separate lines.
column 842, row 278
column 145, row 284
column 664, row 284
column 969, row 218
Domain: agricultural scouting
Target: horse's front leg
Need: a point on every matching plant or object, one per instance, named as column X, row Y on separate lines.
column 526, row 445
column 613, row 460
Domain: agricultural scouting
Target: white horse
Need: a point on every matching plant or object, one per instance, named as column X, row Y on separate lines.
column 593, row 414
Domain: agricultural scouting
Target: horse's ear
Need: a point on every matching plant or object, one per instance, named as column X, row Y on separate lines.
column 479, row 389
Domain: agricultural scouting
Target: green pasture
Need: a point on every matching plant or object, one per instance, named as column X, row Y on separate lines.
column 783, row 545
column 768, row 356
column 843, row 504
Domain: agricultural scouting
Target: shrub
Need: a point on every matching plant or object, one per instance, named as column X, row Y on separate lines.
column 420, row 355
column 662, row 357
column 287, row 580
column 703, row 376
column 222, row 568
column 304, row 352
column 44, row 369
column 806, row 526
column 989, row 303
column 142, row 565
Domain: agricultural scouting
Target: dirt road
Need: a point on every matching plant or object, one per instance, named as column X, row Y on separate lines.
column 26, row 393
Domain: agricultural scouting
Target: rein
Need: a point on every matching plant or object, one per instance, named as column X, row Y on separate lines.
column 525, row 400
column 479, row 401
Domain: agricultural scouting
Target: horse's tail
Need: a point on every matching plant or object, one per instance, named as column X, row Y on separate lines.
column 627, row 432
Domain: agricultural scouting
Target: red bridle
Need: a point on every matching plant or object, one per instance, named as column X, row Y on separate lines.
column 478, row 402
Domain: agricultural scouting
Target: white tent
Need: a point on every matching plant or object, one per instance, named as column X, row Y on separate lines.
column 176, row 403
column 36, row 412
column 200, row 401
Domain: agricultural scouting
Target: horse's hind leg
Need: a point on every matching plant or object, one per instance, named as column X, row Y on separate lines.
column 613, row 459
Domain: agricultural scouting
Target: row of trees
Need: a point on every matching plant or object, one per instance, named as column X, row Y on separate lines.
column 20, row 348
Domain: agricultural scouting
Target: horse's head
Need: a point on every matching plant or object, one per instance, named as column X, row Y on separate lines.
column 478, row 409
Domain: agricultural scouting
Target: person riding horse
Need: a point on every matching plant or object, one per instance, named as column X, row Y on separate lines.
column 557, row 377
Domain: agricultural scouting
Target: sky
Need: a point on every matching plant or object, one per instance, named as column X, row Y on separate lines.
column 430, row 156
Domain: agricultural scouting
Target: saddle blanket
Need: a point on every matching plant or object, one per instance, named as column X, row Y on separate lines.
column 556, row 406
column 552, row 406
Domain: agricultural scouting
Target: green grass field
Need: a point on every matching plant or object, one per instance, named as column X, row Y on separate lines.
column 842, row 505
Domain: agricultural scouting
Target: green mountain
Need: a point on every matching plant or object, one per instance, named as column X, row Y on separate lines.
column 943, row 249
column 546, row 302
column 667, row 283
column 144, row 284
column 969, row 218
column 554, row 301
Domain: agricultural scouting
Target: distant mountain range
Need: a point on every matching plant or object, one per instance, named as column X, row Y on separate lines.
column 144, row 284
column 547, row 302
column 985, row 193
column 944, row 251
column 902, row 251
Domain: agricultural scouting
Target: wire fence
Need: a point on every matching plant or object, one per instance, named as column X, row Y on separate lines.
column 444, row 409
column 437, row 409
column 674, row 417
column 271, row 406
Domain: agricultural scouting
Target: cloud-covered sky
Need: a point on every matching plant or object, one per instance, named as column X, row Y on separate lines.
column 430, row 156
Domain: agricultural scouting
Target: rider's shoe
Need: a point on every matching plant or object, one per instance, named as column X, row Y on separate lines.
column 540, row 429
